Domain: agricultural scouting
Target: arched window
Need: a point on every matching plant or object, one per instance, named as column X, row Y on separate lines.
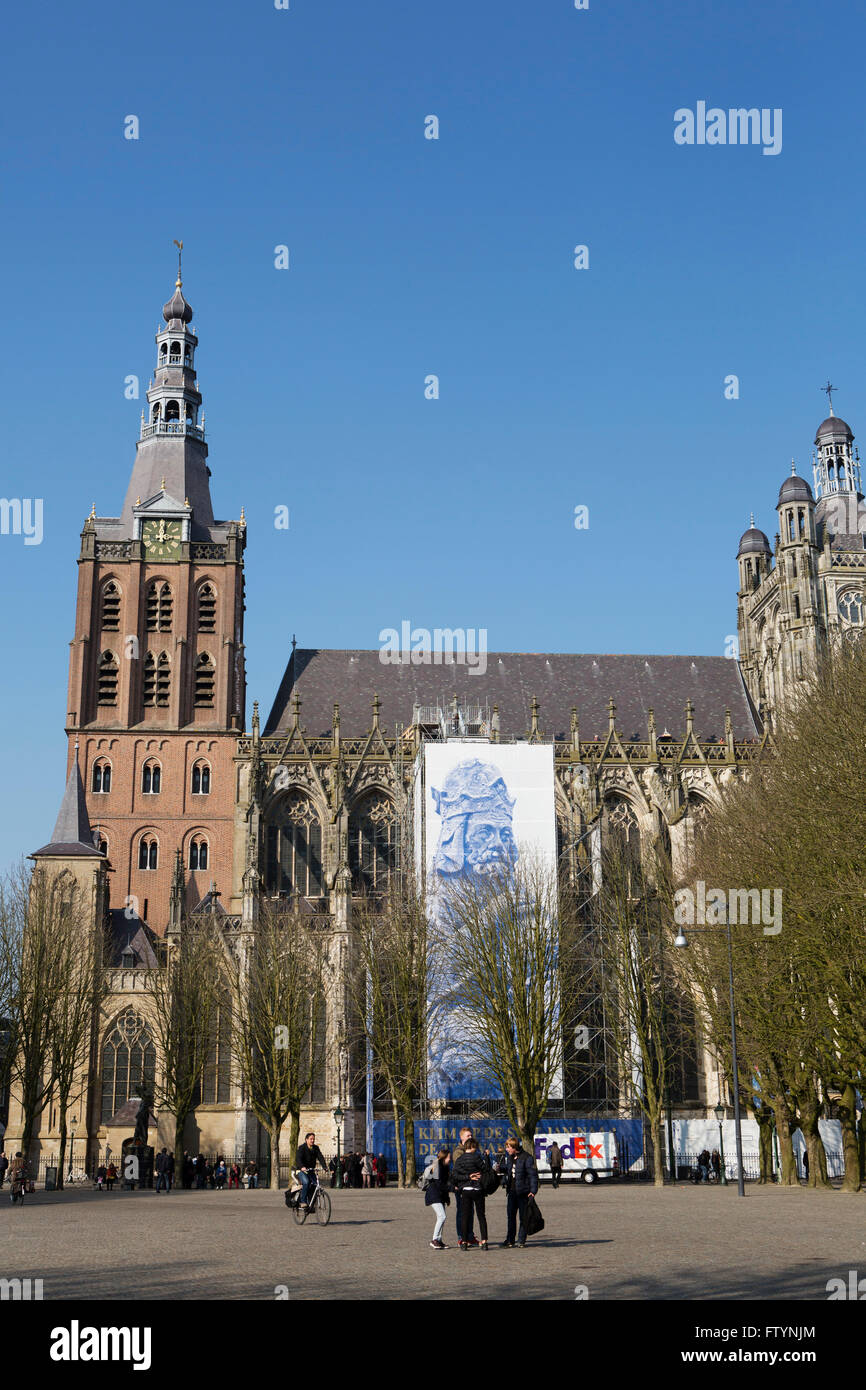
column 102, row 844
column 148, row 852
column 198, row 855
column 200, row 779
column 163, row 349
column 791, row 535
column 101, row 780
column 128, row 1062
column 621, row 837
column 796, row 605
column 204, row 682
column 155, row 413
column 850, row 607
column 293, row 861
column 110, row 616
column 158, row 607
column 372, row 844
column 207, row 608
column 107, row 679
column 175, row 351
column 172, row 410
column 801, row 518
column 151, row 777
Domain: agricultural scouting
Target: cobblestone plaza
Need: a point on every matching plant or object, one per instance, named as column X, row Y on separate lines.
column 618, row 1242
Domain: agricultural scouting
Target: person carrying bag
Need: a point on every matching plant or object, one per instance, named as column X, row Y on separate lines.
column 521, row 1184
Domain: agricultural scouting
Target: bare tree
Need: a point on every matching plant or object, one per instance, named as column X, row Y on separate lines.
column 508, row 982
column 186, row 991
column 393, row 1003
column 49, row 946
column 628, row 931
column 281, row 1019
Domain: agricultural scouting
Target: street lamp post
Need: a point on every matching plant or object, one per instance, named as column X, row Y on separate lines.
column 720, row 1115
column 682, row 942
column 72, row 1145
column 338, row 1121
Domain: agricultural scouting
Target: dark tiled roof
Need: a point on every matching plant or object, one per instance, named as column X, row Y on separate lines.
column 134, row 932
column 559, row 681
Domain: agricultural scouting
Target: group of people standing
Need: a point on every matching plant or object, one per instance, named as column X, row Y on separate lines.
column 709, row 1163
column 360, row 1170
column 472, row 1175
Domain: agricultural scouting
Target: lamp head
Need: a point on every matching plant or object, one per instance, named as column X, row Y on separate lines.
column 680, row 939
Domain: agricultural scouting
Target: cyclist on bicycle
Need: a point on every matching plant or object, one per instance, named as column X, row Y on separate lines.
column 308, row 1155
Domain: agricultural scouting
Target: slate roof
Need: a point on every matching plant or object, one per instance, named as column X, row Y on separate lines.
column 558, row 680
column 72, row 833
column 133, row 931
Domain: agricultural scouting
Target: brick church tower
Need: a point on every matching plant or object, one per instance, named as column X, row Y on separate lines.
column 156, row 673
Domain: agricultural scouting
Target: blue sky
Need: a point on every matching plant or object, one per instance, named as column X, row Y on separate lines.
column 558, row 387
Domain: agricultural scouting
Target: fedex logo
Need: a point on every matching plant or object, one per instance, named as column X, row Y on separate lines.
column 578, row 1147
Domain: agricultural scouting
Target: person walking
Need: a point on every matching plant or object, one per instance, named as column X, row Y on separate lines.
column 436, row 1195
column 367, row 1169
column 467, row 1170
column 704, row 1165
column 382, row 1171
column 716, row 1164
column 554, row 1158
column 465, row 1136
column 110, row 1176
column 164, row 1171
column 17, row 1178
column 187, row 1170
column 100, row 1177
column 521, row 1184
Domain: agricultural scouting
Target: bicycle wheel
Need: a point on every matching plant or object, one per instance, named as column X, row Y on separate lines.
column 299, row 1213
column 323, row 1207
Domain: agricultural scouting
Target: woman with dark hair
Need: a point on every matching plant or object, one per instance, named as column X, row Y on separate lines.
column 436, row 1192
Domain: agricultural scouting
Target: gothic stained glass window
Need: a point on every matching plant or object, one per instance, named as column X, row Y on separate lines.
column 128, row 1062
column 372, row 844
column 294, row 848
column 850, row 606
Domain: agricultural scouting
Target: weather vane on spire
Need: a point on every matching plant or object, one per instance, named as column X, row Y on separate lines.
column 179, row 245
column 829, row 388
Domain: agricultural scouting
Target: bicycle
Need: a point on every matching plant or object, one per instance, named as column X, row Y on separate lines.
column 318, row 1203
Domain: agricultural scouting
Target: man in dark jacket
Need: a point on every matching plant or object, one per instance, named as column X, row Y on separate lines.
column 521, row 1184
column 164, row 1170
column 465, row 1134
column 554, row 1158
column 308, row 1155
column 467, row 1173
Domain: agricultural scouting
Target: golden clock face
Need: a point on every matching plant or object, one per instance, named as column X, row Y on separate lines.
column 161, row 539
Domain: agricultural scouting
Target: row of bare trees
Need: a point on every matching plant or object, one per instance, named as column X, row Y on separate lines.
column 797, row 825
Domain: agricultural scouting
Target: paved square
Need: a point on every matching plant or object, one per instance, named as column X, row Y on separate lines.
column 622, row 1242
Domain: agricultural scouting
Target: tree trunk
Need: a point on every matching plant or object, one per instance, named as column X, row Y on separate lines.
column 765, row 1146
column 409, row 1135
column 810, row 1110
column 61, row 1159
column 400, row 1169
column 274, row 1132
column 850, row 1148
column 862, row 1147
column 294, row 1132
column 179, row 1127
column 784, row 1126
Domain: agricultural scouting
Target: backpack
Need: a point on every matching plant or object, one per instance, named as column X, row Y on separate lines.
column 426, row 1177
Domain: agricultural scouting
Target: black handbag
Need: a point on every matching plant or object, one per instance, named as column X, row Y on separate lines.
column 490, row 1179
column 533, row 1221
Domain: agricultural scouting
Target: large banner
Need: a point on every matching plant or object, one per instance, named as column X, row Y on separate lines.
column 585, row 1142
column 478, row 806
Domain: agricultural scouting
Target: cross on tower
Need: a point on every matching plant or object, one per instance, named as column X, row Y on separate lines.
column 830, row 388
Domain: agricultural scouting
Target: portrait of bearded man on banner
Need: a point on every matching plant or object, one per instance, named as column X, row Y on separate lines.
column 477, row 812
